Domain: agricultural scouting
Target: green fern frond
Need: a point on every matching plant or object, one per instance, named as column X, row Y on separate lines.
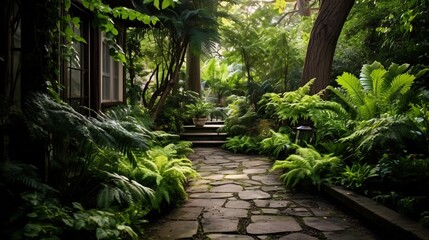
column 122, row 190
column 12, row 173
column 401, row 84
column 306, row 165
column 395, row 70
column 353, row 87
column 378, row 83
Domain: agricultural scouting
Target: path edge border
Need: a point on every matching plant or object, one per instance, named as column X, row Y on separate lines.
column 384, row 219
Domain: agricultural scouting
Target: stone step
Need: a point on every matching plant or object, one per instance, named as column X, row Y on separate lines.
column 198, row 136
column 206, row 136
column 207, row 143
column 208, row 128
column 219, row 122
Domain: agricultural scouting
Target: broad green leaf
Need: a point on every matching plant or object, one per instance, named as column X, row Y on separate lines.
column 365, row 75
column 377, row 77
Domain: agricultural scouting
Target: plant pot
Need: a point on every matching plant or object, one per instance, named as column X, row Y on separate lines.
column 199, row 122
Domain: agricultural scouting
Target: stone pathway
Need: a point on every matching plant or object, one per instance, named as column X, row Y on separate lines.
column 238, row 198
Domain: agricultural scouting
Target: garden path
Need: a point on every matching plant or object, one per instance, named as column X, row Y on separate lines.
column 238, row 198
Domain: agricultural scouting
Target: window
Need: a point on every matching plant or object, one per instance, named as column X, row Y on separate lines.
column 77, row 74
column 111, row 76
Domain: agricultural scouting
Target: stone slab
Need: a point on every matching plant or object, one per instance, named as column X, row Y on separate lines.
column 299, row 212
column 176, row 230
column 228, row 236
column 273, row 227
column 216, row 225
column 222, row 182
column 267, row 179
column 185, row 213
column 298, row 236
column 237, row 176
column 198, row 188
column 325, row 224
column 231, row 213
column 198, row 202
column 255, row 170
column 238, row 204
column 214, row 177
column 211, row 195
column 266, row 224
column 269, row 211
column 278, row 203
column 227, row 188
column 253, row 194
column 254, row 163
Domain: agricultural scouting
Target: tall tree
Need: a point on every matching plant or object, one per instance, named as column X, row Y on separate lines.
column 193, row 57
column 193, row 70
column 323, row 41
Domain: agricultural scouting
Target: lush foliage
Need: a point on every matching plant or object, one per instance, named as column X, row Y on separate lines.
column 103, row 175
column 199, row 109
column 372, row 131
column 306, row 165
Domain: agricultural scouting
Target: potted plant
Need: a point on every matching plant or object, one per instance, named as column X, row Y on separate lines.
column 199, row 111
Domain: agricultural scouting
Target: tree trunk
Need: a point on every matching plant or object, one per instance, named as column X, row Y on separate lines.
column 303, row 7
column 323, row 40
column 193, row 71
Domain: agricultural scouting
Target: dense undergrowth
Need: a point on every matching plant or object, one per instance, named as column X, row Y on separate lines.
column 371, row 135
column 101, row 179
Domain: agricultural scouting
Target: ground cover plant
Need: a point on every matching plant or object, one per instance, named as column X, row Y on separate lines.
column 372, row 129
column 103, row 175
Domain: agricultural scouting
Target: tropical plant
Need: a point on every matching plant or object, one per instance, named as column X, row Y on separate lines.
column 189, row 25
column 163, row 169
column 46, row 218
column 173, row 116
column 241, row 117
column 244, row 144
column 420, row 115
column 121, row 190
column 217, row 76
column 306, row 166
column 278, row 144
column 377, row 91
column 298, row 106
column 199, row 109
column 407, row 175
column 387, row 134
column 355, row 176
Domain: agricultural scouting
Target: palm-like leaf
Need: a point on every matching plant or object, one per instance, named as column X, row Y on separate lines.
column 122, row 189
column 353, row 88
column 365, row 75
column 401, row 84
column 377, row 91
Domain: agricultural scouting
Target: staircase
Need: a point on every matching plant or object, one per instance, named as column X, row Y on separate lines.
column 207, row 136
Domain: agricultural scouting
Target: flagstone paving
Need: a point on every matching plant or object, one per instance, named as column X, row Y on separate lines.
column 237, row 197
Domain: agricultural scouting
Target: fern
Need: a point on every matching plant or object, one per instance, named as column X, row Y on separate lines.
column 307, row 165
column 276, row 145
column 388, row 134
column 162, row 170
column 123, row 190
column 13, row 173
column 355, row 176
column 244, row 144
column 377, row 91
